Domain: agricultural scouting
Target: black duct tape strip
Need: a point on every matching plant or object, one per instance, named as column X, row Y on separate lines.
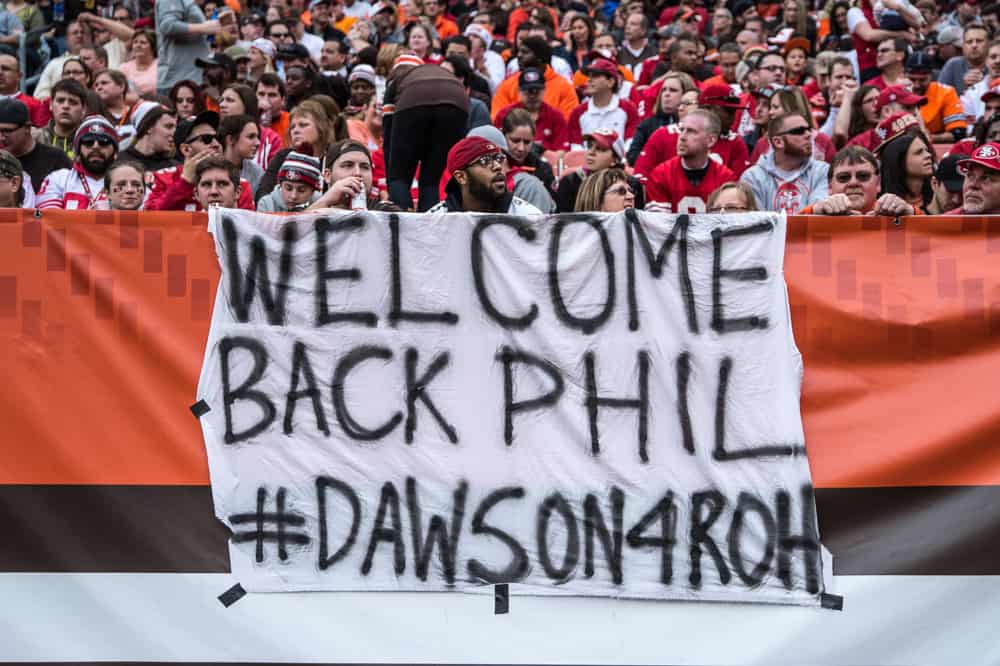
column 501, row 599
column 200, row 408
column 832, row 601
column 232, row 595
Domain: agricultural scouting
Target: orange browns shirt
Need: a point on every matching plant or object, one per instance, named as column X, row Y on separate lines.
column 943, row 111
column 580, row 79
column 445, row 27
column 559, row 93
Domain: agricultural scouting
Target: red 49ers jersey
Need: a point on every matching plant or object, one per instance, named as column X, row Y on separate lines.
column 668, row 184
column 730, row 150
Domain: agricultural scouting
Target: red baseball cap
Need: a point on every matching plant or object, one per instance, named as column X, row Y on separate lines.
column 986, row 155
column 993, row 91
column 602, row 66
column 898, row 94
column 895, row 125
column 719, row 94
column 468, row 150
column 607, row 139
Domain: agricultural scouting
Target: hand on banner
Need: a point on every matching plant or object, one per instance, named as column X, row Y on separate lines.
column 890, row 204
column 835, row 204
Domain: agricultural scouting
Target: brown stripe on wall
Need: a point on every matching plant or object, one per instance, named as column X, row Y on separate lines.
column 152, row 529
column 126, row 529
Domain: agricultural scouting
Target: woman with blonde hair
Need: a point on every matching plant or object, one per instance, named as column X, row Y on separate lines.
column 666, row 110
column 605, row 191
column 312, row 129
column 734, row 197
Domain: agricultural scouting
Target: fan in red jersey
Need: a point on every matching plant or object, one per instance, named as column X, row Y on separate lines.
column 683, row 183
column 730, row 148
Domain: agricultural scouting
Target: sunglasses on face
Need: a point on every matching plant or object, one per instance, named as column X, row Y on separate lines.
column 844, row 177
column 102, row 141
column 202, row 138
column 486, row 161
column 797, row 131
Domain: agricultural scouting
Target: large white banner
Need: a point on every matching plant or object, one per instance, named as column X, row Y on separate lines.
column 584, row 404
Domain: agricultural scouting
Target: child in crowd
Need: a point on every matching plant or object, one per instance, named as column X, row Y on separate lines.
column 298, row 182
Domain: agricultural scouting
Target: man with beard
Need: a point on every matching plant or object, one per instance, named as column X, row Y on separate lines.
column 37, row 159
column 854, row 185
column 11, row 181
column 684, row 182
column 788, row 178
column 981, row 190
column 81, row 186
column 69, row 104
column 478, row 181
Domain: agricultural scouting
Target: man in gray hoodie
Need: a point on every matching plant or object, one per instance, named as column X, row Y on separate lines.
column 181, row 33
column 788, row 178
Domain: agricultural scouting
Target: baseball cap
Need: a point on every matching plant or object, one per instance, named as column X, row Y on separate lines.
column 607, row 139
column 216, row 60
column 895, row 125
column 14, row 112
column 986, row 155
column 919, row 62
column 265, row 46
column 10, row 166
column 292, row 52
column 950, row 35
column 184, row 127
column 531, row 79
column 237, row 53
column 255, row 17
column 797, row 43
column 898, row 94
column 719, row 94
column 992, row 91
column 602, row 66
column 300, row 168
column 947, row 173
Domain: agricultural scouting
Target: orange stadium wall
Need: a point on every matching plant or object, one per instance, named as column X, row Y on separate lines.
column 104, row 317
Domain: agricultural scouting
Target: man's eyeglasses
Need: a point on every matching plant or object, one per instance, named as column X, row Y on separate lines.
column 797, row 131
column 202, row 138
column 486, row 161
column 844, row 177
column 102, row 141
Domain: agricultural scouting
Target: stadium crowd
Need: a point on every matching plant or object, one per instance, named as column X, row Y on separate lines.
column 832, row 107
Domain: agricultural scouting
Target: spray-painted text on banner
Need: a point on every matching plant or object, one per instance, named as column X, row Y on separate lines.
column 584, row 404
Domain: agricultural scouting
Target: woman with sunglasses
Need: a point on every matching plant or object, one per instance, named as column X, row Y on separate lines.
column 605, row 191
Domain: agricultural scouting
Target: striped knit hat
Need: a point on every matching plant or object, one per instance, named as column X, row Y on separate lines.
column 411, row 59
column 95, row 126
column 300, row 168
